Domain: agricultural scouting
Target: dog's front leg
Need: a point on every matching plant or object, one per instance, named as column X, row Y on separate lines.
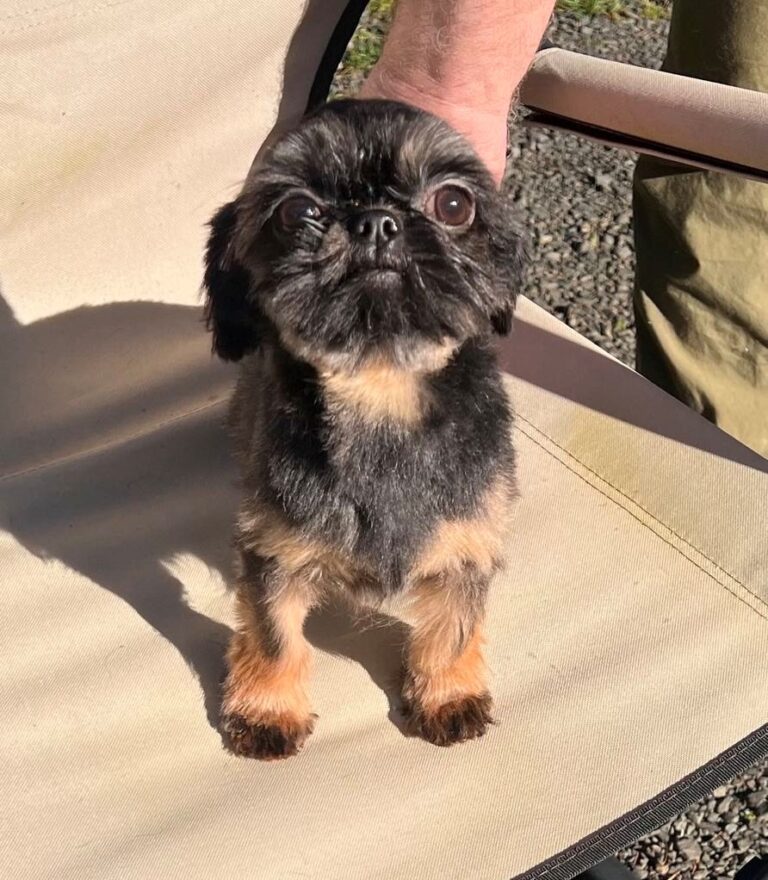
column 265, row 711
column 445, row 693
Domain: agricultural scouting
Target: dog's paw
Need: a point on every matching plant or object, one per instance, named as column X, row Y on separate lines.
column 266, row 740
column 454, row 722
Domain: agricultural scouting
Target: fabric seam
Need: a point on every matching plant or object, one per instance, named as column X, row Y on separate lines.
column 23, row 13
column 113, row 444
column 655, row 519
column 57, row 19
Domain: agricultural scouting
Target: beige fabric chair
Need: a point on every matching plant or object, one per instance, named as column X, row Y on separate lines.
column 627, row 635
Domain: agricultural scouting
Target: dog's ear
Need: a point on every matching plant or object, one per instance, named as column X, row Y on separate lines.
column 509, row 256
column 229, row 314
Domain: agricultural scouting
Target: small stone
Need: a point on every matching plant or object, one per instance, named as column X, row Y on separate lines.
column 720, row 792
column 731, row 828
column 724, row 805
column 689, row 848
column 603, row 181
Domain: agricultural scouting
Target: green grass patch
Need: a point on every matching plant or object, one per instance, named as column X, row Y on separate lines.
column 364, row 49
column 655, row 11
column 620, row 326
column 591, row 7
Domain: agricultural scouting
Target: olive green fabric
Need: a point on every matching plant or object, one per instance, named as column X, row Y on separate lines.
column 701, row 298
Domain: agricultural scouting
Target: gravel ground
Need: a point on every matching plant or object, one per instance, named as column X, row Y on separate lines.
column 577, row 198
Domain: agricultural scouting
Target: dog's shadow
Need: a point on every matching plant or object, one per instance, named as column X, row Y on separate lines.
column 373, row 639
column 128, row 512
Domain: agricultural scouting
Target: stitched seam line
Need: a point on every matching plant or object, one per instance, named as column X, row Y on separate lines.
column 651, row 806
column 51, row 19
column 112, row 444
column 652, row 517
column 23, row 13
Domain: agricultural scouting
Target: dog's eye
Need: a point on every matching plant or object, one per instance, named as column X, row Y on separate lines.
column 296, row 210
column 451, row 205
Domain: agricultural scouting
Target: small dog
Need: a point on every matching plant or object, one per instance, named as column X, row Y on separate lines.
column 360, row 276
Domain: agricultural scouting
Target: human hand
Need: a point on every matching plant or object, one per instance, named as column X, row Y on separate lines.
column 484, row 127
column 461, row 60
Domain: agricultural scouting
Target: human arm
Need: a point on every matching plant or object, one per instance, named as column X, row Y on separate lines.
column 463, row 61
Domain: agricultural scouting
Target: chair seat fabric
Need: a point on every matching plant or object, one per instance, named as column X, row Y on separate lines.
column 626, row 636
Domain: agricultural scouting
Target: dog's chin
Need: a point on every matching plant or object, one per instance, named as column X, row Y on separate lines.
column 381, row 335
column 376, row 282
column 406, row 353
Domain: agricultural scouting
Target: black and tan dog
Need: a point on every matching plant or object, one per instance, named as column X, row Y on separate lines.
column 360, row 276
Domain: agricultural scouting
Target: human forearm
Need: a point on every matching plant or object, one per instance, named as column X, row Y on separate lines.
column 463, row 61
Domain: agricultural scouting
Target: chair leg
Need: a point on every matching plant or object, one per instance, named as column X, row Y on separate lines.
column 610, row 869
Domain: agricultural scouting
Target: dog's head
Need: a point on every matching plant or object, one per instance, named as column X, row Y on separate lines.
column 372, row 230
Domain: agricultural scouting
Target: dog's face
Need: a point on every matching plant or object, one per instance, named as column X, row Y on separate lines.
column 370, row 231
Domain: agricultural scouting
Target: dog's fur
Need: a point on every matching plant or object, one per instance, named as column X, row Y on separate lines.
column 369, row 418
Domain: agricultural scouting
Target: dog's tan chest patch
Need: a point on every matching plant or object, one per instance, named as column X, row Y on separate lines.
column 379, row 393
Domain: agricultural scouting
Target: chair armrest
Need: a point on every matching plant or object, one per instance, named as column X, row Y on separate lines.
column 686, row 119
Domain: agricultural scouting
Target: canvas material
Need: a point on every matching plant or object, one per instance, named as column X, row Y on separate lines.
column 627, row 635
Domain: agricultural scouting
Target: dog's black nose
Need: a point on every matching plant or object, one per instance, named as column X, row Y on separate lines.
column 374, row 227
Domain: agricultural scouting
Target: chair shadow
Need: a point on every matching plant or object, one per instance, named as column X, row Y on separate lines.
column 580, row 374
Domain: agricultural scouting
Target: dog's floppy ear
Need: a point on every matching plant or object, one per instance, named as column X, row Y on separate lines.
column 230, row 316
column 509, row 255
